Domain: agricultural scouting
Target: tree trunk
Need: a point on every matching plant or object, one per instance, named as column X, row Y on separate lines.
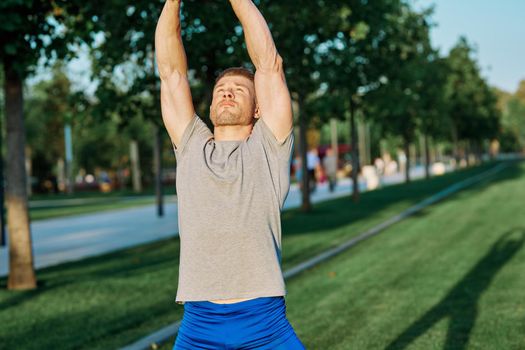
column 21, row 270
column 3, row 240
column 29, row 170
column 455, row 140
column 305, row 185
column 135, row 166
column 361, row 142
column 157, row 163
column 355, row 154
column 333, row 138
column 69, row 159
column 407, row 165
column 61, row 180
column 427, row 157
column 413, row 154
column 467, row 153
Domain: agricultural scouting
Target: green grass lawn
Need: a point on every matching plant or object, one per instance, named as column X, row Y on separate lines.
column 90, row 202
column 444, row 261
column 149, row 191
column 452, row 277
column 104, row 204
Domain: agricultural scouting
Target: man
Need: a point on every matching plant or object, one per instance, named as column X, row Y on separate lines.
column 231, row 186
column 330, row 168
column 312, row 165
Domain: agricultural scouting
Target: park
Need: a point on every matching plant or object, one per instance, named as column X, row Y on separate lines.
column 404, row 222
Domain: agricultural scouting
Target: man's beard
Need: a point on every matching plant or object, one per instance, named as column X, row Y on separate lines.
column 229, row 117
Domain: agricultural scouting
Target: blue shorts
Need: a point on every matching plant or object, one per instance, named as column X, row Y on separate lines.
column 253, row 324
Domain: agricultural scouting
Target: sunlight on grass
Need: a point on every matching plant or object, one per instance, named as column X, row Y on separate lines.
column 362, row 299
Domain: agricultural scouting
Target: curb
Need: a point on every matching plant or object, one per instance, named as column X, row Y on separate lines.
column 161, row 336
column 154, row 339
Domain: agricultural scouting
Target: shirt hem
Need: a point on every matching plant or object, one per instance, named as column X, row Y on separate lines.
column 182, row 300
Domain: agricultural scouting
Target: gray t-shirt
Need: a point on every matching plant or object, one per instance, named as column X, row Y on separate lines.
column 230, row 194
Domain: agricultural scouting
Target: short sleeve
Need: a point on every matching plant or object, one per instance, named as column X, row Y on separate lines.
column 196, row 132
column 277, row 155
column 282, row 149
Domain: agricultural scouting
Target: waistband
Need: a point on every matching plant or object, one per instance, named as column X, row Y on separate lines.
column 233, row 307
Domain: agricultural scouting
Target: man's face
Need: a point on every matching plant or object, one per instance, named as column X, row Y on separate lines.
column 233, row 101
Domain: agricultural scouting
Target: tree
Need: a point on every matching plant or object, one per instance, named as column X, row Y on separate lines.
column 298, row 36
column 399, row 103
column 123, row 59
column 103, row 135
column 472, row 105
column 48, row 110
column 520, row 92
column 28, row 29
column 3, row 239
column 432, row 121
column 512, row 110
column 353, row 64
column 212, row 44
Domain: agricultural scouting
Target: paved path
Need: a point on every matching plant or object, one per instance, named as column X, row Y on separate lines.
column 72, row 238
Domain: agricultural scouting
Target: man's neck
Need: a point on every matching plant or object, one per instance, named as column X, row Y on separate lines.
column 232, row 132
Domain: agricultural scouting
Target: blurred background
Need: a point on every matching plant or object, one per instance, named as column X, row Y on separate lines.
column 384, row 93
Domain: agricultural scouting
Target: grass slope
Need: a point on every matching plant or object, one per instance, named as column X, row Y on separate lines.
column 449, row 278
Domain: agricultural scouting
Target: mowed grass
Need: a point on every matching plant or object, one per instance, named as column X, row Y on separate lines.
column 111, row 300
column 104, row 205
column 452, row 277
column 60, row 205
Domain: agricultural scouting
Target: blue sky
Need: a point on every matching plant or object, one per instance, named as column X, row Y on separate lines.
column 495, row 27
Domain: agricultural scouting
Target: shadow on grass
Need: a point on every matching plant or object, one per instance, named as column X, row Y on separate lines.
column 328, row 215
column 124, row 263
column 461, row 303
column 332, row 219
column 79, row 329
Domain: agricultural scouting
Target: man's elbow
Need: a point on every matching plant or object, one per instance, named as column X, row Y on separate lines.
column 278, row 63
column 272, row 65
column 173, row 78
column 166, row 68
column 165, row 71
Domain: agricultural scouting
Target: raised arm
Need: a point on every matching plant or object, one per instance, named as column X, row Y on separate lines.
column 175, row 95
column 272, row 93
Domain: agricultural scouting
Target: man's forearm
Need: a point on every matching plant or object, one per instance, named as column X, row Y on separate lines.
column 168, row 42
column 259, row 42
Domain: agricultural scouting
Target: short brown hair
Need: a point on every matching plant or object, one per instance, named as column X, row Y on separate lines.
column 244, row 72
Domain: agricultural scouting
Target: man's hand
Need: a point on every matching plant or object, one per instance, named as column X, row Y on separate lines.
column 175, row 95
column 272, row 93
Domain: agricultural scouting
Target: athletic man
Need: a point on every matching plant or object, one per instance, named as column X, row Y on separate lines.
column 231, row 186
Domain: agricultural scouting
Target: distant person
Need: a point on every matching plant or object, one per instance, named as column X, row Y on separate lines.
column 330, row 168
column 380, row 166
column 379, row 163
column 312, row 165
column 402, row 159
column 231, row 186
column 298, row 169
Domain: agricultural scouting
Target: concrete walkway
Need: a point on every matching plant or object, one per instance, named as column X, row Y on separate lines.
column 72, row 238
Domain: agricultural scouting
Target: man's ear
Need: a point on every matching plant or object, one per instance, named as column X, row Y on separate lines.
column 257, row 114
